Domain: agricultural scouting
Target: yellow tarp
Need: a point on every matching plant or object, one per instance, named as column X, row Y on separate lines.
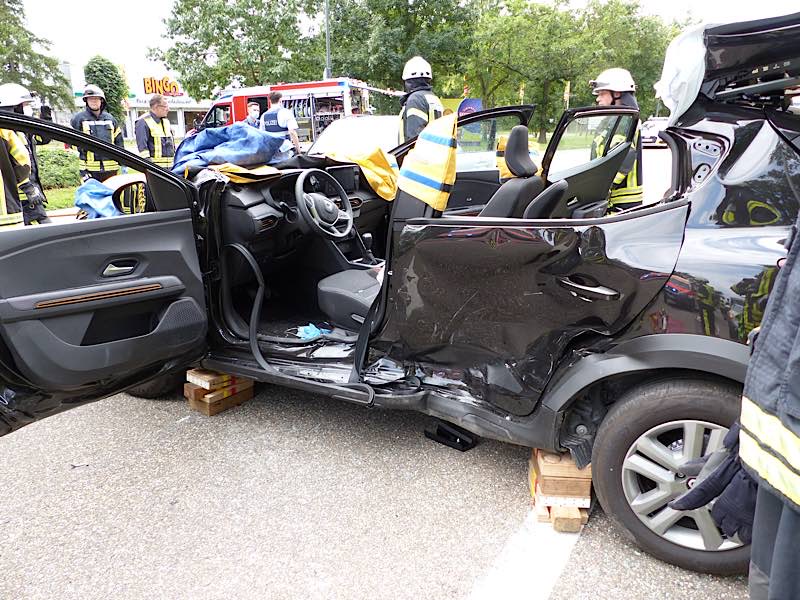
column 429, row 169
column 379, row 168
column 239, row 174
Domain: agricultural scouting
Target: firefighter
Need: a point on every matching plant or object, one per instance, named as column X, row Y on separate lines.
column 420, row 104
column 22, row 170
column 154, row 134
column 615, row 87
column 97, row 122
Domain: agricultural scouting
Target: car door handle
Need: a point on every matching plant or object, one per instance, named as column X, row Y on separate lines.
column 118, row 269
column 594, row 292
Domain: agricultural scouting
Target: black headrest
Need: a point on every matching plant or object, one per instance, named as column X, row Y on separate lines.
column 517, row 154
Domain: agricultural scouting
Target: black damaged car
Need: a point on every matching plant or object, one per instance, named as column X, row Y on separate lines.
column 525, row 315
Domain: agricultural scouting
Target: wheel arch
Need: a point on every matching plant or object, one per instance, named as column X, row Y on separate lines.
column 646, row 356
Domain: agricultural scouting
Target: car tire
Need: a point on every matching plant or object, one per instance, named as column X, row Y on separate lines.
column 701, row 408
column 159, row 387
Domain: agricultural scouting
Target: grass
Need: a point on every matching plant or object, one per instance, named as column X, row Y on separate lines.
column 60, row 198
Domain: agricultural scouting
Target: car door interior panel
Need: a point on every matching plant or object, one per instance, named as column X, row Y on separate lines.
column 112, row 296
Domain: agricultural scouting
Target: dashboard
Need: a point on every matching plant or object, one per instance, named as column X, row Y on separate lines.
column 264, row 217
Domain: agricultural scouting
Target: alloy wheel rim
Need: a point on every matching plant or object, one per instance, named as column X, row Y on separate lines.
column 652, row 475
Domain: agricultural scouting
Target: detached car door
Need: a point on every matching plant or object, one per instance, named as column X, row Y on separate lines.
column 588, row 148
column 91, row 307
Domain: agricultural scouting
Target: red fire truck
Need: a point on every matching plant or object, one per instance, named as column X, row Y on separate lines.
column 316, row 104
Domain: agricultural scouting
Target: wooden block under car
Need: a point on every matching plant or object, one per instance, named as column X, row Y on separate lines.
column 192, row 391
column 229, row 390
column 567, row 519
column 557, row 475
column 211, row 380
column 217, row 406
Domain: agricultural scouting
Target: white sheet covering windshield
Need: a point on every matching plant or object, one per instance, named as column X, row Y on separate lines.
column 356, row 135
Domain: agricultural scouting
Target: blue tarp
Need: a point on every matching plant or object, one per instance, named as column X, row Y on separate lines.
column 95, row 199
column 240, row 144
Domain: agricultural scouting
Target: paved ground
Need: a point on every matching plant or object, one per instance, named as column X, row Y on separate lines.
column 289, row 496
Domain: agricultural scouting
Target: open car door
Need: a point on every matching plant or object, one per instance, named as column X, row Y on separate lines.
column 587, row 150
column 91, row 307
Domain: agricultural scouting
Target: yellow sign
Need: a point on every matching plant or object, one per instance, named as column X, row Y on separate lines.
column 164, row 86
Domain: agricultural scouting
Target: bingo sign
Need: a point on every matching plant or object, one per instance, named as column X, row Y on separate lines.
column 164, row 86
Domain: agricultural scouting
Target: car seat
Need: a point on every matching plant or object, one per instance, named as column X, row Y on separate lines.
column 511, row 199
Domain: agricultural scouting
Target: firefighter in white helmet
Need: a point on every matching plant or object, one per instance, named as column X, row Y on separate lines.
column 615, row 87
column 20, row 176
column 420, row 104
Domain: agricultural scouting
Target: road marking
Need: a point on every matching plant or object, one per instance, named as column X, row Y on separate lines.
column 529, row 565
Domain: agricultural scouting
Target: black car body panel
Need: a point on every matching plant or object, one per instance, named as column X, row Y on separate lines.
column 504, row 301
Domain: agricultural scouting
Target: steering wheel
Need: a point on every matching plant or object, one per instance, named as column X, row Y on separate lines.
column 321, row 213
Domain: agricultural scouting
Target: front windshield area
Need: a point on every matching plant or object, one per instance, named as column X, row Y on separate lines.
column 356, row 135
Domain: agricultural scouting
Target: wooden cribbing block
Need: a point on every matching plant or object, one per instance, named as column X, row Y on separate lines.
column 211, row 380
column 192, row 391
column 229, row 390
column 217, row 406
column 557, row 475
column 566, row 519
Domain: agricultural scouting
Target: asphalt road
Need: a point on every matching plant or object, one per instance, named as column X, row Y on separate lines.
column 290, row 496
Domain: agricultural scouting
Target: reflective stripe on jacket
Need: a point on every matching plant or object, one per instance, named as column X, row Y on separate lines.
column 158, row 143
column 769, row 443
column 103, row 127
column 15, row 168
column 420, row 108
column 626, row 190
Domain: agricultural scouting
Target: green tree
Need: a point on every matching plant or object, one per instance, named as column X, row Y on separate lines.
column 21, row 60
column 217, row 43
column 372, row 39
column 618, row 35
column 104, row 73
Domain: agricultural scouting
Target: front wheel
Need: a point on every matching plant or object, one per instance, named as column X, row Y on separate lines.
column 640, row 449
column 158, row 387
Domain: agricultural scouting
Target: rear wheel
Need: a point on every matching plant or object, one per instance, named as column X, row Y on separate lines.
column 640, row 449
column 159, row 387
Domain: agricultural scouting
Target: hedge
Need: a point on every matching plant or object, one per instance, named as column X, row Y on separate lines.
column 58, row 168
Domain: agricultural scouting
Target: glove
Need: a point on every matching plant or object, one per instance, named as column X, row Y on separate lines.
column 46, row 113
column 33, row 193
column 723, row 479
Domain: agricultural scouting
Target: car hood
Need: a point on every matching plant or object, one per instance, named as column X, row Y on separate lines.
column 714, row 59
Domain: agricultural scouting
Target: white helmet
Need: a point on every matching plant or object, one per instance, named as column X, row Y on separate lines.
column 13, row 94
column 417, row 67
column 613, row 80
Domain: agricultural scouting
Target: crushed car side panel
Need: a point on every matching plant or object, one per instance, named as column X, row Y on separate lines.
column 501, row 302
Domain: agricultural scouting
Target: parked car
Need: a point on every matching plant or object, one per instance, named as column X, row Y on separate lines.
column 547, row 324
column 650, row 130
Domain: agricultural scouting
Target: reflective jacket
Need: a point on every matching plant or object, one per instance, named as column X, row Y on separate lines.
column 769, row 442
column 626, row 190
column 420, row 107
column 103, row 127
column 15, row 169
column 154, row 140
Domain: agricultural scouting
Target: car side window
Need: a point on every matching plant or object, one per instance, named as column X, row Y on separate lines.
column 477, row 143
column 589, row 138
column 218, row 116
column 47, row 180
